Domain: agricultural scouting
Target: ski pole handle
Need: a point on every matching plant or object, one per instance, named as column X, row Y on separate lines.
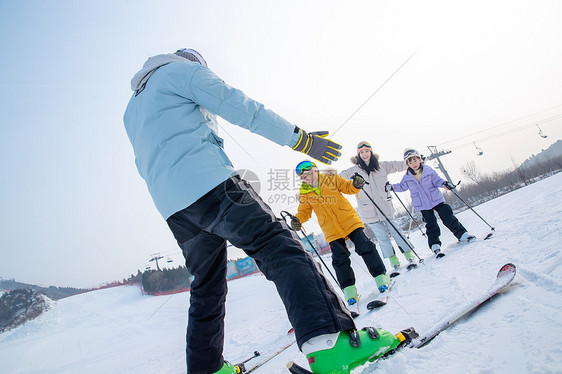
column 284, row 213
column 240, row 367
column 359, row 175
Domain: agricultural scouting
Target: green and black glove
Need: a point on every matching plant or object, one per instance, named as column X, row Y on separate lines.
column 317, row 146
column 358, row 181
column 296, row 224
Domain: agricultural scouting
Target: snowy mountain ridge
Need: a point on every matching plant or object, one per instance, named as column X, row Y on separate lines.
column 553, row 152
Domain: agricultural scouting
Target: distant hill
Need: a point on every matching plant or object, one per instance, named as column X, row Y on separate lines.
column 51, row 292
column 554, row 152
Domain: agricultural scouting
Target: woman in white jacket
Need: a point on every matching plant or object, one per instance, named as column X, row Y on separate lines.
column 376, row 172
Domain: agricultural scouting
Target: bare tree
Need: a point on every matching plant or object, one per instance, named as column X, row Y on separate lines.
column 471, row 171
column 519, row 171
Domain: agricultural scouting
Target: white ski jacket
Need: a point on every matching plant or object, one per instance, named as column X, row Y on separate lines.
column 377, row 180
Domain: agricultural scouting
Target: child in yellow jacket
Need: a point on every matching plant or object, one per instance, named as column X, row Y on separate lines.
column 323, row 194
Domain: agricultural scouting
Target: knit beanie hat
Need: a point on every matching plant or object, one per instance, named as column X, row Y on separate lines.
column 191, row 55
column 363, row 144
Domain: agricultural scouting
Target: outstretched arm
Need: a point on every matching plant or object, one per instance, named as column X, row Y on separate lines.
column 211, row 93
column 402, row 186
column 393, row 166
column 346, row 186
column 304, row 211
column 347, row 173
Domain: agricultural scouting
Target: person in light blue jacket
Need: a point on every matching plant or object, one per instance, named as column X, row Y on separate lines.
column 171, row 123
column 173, row 129
column 424, row 183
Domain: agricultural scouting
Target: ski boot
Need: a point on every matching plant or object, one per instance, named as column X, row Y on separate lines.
column 352, row 299
column 395, row 263
column 383, row 282
column 436, row 248
column 404, row 338
column 348, row 350
column 411, row 260
column 466, row 237
column 228, row 368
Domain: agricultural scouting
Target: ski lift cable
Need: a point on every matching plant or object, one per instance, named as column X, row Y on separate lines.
column 500, row 125
column 495, row 136
column 239, row 145
column 491, row 137
column 139, row 266
column 171, row 253
column 373, row 94
column 127, row 273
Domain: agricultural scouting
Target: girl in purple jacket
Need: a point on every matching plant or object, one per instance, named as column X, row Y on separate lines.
column 423, row 183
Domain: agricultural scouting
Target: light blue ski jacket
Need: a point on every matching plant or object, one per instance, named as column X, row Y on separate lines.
column 170, row 121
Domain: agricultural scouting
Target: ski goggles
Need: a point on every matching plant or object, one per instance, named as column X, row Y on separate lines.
column 304, row 166
column 408, row 153
column 364, row 144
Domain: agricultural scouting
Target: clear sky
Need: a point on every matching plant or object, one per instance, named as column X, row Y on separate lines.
column 74, row 211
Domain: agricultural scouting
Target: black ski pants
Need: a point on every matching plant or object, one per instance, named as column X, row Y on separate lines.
column 233, row 211
column 449, row 220
column 364, row 248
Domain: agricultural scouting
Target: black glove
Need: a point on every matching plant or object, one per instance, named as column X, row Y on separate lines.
column 388, row 187
column 449, row 186
column 358, row 181
column 316, row 146
column 296, row 224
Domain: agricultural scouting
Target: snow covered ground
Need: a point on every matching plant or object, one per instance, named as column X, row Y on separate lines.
column 119, row 330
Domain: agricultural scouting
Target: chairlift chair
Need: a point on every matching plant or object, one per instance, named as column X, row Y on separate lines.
column 478, row 149
column 541, row 133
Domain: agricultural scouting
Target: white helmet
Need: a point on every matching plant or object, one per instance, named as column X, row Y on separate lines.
column 410, row 152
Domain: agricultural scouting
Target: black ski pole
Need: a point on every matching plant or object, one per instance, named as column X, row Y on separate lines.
column 390, row 222
column 313, row 248
column 241, row 365
column 271, row 357
column 453, row 191
column 256, row 354
column 410, row 214
column 469, row 207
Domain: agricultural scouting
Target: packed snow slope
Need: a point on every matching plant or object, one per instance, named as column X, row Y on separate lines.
column 519, row 331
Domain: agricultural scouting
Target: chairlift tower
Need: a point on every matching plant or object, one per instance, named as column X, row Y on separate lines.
column 155, row 258
column 435, row 154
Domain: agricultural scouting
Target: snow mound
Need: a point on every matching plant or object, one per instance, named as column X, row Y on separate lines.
column 20, row 306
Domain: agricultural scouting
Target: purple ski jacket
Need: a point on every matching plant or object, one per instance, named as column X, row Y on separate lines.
column 425, row 193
